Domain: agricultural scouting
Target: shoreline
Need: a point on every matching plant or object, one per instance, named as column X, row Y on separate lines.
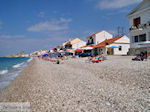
column 21, row 72
column 76, row 86
column 13, row 71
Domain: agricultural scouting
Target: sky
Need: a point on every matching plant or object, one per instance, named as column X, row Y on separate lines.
column 29, row 25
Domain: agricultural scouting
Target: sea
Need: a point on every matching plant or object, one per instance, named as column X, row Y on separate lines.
column 10, row 69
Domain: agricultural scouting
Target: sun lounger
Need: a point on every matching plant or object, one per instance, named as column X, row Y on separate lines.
column 97, row 61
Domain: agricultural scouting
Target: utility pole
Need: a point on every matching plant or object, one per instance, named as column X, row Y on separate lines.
column 120, row 31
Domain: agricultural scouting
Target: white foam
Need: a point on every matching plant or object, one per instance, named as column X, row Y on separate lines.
column 29, row 60
column 3, row 72
column 18, row 65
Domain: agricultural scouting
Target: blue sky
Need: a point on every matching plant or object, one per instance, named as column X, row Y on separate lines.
column 29, row 25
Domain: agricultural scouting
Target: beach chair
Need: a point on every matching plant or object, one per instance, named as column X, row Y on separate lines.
column 97, row 60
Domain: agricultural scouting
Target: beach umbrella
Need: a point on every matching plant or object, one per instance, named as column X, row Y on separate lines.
column 79, row 50
column 69, row 50
column 45, row 55
column 61, row 51
column 39, row 55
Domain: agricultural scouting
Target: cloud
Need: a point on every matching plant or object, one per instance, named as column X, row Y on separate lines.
column 41, row 14
column 53, row 25
column 114, row 4
column 30, row 44
column 11, row 37
column 1, row 23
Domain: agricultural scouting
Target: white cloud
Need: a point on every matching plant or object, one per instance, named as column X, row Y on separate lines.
column 41, row 14
column 113, row 4
column 10, row 36
column 53, row 25
column 30, row 44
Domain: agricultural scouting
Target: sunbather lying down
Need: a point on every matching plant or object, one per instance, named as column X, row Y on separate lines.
column 96, row 59
column 60, row 61
column 141, row 57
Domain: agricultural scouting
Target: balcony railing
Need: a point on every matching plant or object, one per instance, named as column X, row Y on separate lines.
column 90, row 43
column 140, row 26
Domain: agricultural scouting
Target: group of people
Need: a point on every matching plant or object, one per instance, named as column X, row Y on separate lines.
column 141, row 57
column 58, row 60
column 96, row 59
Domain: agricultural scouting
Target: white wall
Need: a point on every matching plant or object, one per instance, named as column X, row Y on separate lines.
column 139, row 32
column 124, row 39
column 124, row 51
column 78, row 45
column 145, row 17
column 102, row 50
column 102, row 36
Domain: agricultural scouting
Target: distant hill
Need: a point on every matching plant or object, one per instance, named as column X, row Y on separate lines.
column 20, row 54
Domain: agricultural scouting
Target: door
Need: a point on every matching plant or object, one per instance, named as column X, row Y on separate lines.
column 110, row 51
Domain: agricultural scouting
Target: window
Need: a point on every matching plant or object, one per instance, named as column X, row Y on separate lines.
column 91, row 37
column 120, row 48
column 136, row 38
column 136, row 21
column 142, row 38
column 139, row 38
column 92, row 41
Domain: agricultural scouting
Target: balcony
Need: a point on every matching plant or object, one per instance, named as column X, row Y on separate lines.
column 140, row 26
column 90, row 43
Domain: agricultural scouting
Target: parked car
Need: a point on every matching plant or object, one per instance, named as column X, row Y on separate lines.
column 84, row 54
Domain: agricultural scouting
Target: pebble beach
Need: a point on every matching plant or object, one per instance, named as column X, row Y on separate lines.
column 114, row 85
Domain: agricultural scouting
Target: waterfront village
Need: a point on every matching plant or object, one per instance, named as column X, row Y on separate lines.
column 103, row 42
column 107, row 81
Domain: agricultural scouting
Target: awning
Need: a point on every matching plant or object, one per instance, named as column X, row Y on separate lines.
column 113, row 46
column 78, row 50
column 87, row 48
column 144, row 43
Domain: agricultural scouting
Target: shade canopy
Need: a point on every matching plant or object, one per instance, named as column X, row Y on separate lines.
column 78, row 50
column 87, row 48
column 113, row 46
column 144, row 43
column 45, row 55
column 61, row 51
column 69, row 50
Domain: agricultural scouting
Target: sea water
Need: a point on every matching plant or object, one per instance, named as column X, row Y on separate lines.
column 10, row 68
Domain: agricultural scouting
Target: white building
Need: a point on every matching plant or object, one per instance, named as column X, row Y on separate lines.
column 113, row 46
column 74, row 44
column 98, row 37
column 139, row 20
column 78, row 45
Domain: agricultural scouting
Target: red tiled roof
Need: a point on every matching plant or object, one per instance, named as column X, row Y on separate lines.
column 107, row 41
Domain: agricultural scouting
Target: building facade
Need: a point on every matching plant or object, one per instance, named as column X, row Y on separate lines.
column 113, row 46
column 74, row 44
column 98, row 37
column 139, row 21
